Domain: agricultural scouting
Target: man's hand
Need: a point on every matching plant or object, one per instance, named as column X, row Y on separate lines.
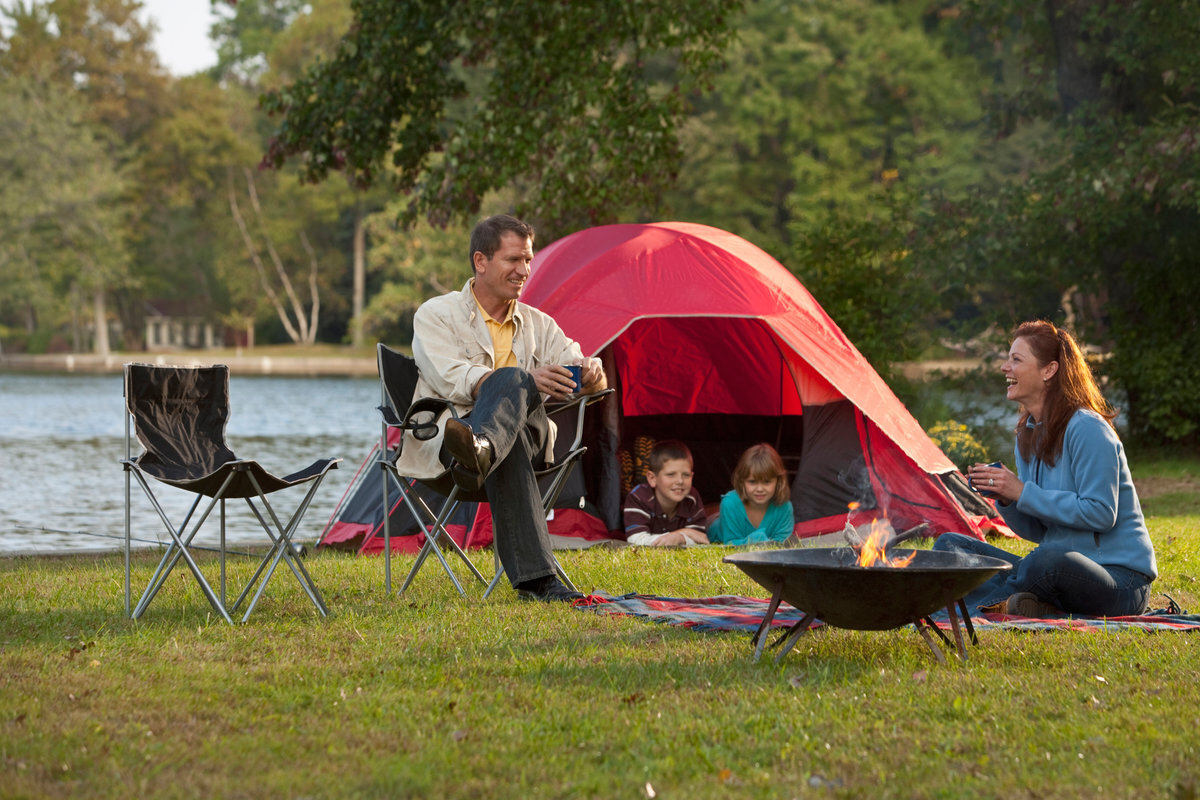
column 554, row 380
column 594, row 379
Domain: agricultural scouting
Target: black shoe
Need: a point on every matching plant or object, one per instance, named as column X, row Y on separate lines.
column 548, row 590
column 473, row 454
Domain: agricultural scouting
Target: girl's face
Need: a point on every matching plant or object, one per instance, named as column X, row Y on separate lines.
column 759, row 491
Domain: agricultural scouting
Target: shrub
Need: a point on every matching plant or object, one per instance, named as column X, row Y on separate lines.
column 958, row 443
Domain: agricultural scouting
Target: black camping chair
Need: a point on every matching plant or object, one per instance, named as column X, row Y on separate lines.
column 179, row 415
column 398, row 382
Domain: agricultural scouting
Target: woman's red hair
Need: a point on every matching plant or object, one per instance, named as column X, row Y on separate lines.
column 1071, row 388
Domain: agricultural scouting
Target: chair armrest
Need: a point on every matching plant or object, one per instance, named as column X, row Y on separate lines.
column 421, row 429
column 575, row 401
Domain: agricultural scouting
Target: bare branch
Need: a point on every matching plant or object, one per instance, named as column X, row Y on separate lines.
column 313, row 290
column 284, row 280
column 252, row 250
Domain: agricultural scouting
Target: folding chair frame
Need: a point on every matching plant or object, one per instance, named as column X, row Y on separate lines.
column 282, row 548
column 434, row 525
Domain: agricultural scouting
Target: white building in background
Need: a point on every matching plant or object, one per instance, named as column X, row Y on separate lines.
column 169, row 326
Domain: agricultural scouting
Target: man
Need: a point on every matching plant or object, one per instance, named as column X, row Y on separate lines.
column 495, row 357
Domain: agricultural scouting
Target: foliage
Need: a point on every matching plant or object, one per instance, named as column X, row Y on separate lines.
column 96, row 47
column 959, row 445
column 823, row 110
column 1100, row 233
column 413, row 264
column 62, row 209
column 246, row 32
column 451, row 101
column 93, row 57
column 861, row 273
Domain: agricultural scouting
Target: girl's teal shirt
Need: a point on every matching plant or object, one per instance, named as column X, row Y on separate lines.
column 733, row 526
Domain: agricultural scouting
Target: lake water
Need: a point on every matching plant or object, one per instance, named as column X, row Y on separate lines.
column 62, row 488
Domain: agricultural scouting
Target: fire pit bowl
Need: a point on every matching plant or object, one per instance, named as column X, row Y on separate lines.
column 827, row 584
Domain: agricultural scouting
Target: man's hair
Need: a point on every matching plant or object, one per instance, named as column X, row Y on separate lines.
column 666, row 450
column 486, row 236
column 762, row 463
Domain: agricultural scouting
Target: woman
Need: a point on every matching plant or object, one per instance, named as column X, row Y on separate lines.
column 1072, row 492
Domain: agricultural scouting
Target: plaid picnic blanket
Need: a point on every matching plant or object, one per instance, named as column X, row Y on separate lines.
column 735, row 613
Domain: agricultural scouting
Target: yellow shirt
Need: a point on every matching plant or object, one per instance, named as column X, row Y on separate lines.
column 501, row 333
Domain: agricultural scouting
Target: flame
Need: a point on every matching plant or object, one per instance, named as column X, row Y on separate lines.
column 873, row 551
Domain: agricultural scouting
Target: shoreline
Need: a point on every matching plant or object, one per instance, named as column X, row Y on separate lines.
column 311, row 366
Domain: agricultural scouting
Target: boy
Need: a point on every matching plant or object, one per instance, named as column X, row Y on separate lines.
column 666, row 510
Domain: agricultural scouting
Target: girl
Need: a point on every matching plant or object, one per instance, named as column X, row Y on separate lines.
column 758, row 509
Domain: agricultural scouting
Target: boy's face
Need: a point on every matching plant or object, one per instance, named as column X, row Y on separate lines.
column 673, row 482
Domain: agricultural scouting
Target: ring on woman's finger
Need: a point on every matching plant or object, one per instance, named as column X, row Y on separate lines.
column 991, row 481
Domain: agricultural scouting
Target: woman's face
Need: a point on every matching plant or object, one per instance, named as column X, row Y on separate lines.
column 1026, row 379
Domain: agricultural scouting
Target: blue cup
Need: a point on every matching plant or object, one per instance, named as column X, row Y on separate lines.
column 576, row 375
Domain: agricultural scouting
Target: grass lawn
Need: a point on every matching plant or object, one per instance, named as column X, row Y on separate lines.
column 434, row 695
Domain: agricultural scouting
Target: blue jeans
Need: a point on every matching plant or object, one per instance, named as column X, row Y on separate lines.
column 1064, row 578
column 510, row 414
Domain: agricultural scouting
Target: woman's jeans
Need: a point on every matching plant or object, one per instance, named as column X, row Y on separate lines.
column 1063, row 578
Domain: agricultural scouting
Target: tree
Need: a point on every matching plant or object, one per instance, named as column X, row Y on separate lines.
column 183, row 174
column 98, row 48
column 61, row 206
column 448, row 101
column 1107, row 212
column 824, row 110
column 266, row 43
column 94, row 55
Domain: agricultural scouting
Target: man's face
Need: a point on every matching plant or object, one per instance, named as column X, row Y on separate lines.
column 501, row 277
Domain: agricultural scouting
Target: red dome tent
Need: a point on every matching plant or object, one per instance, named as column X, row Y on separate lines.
column 708, row 339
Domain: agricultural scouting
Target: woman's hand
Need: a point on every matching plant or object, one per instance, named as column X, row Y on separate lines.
column 998, row 482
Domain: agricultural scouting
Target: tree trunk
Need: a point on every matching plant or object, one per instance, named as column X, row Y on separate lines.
column 360, row 273
column 100, row 312
column 1079, row 82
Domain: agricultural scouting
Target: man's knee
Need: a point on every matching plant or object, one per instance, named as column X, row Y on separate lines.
column 509, row 381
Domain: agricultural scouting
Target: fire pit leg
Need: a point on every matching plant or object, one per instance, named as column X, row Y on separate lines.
column 958, row 631
column 931, row 625
column 937, row 651
column 764, row 627
column 966, row 616
column 789, row 639
column 958, row 637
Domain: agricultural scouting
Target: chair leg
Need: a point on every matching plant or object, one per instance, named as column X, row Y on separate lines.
column 281, row 550
column 128, row 537
column 387, row 523
column 177, row 550
column 433, row 533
